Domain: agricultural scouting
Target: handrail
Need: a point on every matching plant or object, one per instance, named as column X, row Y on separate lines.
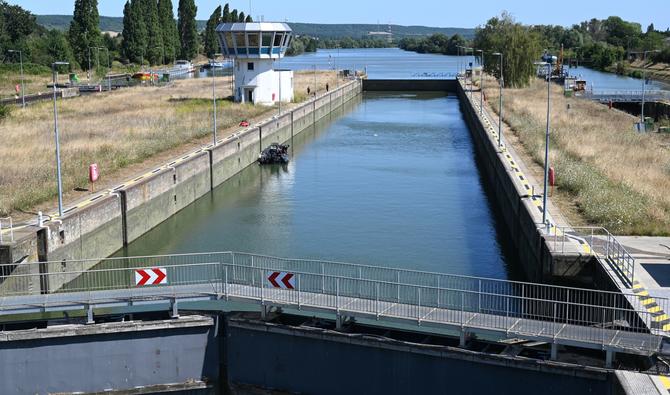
column 613, row 250
column 341, row 287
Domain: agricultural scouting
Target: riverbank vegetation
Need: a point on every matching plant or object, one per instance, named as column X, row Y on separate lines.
column 124, row 132
column 435, row 43
column 614, row 177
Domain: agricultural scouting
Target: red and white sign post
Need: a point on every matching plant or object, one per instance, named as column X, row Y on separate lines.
column 93, row 174
column 283, row 280
column 151, row 276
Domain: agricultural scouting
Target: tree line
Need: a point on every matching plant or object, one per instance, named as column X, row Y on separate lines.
column 436, row 43
column 601, row 44
column 151, row 35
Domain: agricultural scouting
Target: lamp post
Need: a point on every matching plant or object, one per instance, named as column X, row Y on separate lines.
column 459, row 49
column 213, row 69
column 109, row 68
column 644, row 83
column 500, row 105
column 23, row 88
column 58, row 170
column 546, row 144
column 472, row 50
column 481, row 84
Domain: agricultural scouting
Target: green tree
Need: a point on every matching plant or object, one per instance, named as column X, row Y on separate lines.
column 233, row 16
column 519, row 45
column 188, row 33
column 241, row 17
column 211, row 41
column 84, row 30
column 53, row 46
column 18, row 23
column 169, row 29
column 134, row 32
column 248, row 19
column 225, row 17
column 154, row 44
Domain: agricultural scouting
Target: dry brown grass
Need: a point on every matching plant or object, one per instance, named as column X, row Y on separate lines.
column 619, row 178
column 114, row 130
column 32, row 83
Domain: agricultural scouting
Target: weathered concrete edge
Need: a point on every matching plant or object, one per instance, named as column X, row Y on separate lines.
column 60, row 331
column 520, row 216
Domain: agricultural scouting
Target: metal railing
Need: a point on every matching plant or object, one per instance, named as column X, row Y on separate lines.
column 602, row 244
column 539, row 311
column 4, row 228
column 615, row 95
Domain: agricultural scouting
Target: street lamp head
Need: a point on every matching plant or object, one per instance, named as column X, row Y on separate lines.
column 496, row 54
column 54, row 64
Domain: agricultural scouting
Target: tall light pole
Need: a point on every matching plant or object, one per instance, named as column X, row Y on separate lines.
column 472, row 50
column 58, row 171
column 644, row 83
column 460, row 60
column 23, row 88
column 214, row 99
column 481, row 84
column 109, row 68
column 500, row 105
column 546, row 144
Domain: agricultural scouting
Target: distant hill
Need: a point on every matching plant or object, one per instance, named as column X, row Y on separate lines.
column 115, row 24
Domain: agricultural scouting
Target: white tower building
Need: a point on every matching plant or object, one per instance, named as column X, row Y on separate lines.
column 254, row 48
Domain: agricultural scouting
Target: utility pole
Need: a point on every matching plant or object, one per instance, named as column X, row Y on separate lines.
column 23, row 88
column 644, row 83
column 500, row 105
column 481, row 84
column 57, row 137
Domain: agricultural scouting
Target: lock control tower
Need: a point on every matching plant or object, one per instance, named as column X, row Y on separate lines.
column 254, row 48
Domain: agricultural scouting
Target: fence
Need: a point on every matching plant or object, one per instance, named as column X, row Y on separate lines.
column 603, row 245
column 582, row 315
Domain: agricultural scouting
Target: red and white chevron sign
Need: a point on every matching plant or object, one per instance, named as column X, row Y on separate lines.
column 282, row 280
column 151, row 276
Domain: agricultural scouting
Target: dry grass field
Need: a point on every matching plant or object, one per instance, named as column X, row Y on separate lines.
column 114, row 130
column 617, row 178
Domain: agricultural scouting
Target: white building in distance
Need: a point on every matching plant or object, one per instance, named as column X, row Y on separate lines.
column 254, row 48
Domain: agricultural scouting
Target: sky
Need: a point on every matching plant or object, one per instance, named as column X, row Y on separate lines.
column 436, row 13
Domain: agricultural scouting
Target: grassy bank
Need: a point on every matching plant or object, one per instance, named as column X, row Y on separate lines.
column 615, row 177
column 114, row 130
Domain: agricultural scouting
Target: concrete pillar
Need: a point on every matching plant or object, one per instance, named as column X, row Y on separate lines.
column 462, row 339
column 264, row 312
column 174, row 309
column 609, row 358
column 339, row 320
column 554, row 351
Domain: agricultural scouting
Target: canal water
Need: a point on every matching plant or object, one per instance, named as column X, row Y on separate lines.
column 391, row 181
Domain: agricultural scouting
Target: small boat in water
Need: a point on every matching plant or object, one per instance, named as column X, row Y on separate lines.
column 213, row 64
column 182, row 67
column 274, row 154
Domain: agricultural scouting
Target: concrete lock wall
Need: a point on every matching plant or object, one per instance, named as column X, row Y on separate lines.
column 116, row 356
column 513, row 202
column 311, row 361
column 99, row 227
